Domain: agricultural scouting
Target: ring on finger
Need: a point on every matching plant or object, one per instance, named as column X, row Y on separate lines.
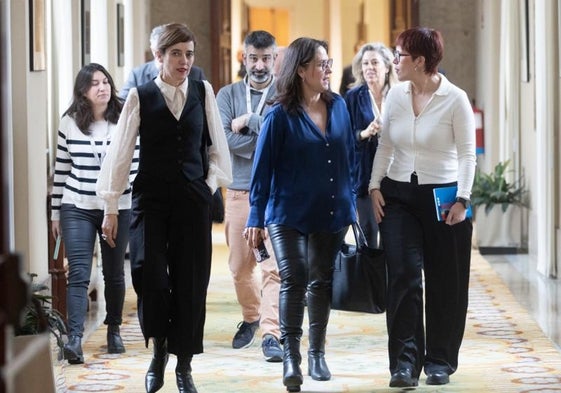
column 104, row 236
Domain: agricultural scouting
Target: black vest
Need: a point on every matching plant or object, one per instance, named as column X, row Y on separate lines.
column 171, row 148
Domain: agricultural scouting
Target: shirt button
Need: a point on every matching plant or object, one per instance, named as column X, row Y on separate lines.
column 179, row 137
column 331, row 179
column 332, row 196
column 331, row 212
column 329, row 161
column 327, row 145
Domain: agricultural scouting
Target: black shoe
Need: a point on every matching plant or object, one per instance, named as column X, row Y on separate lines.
column 73, row 350
column 245, row 335
column 292, row 373
column 271, row 348
column 438, row 378
column 403, row 379
column 154, row 379
column 114, row 340
column 183, row 376
column 317, row 367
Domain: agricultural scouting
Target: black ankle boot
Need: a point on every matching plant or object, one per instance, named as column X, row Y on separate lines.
column 155, row 376
column 183, row 376
column 73, row 350
column 114, row 340
column 292, row 373
column 317, row 367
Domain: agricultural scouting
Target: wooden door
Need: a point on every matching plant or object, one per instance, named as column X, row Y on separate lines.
column 221, row 33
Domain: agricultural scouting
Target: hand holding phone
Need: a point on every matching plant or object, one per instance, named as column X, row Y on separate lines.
column 261, row 252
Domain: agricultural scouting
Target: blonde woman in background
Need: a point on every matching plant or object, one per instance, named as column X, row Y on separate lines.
column 374, row 72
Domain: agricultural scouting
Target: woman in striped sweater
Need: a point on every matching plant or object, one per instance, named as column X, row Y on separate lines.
column 84, row 134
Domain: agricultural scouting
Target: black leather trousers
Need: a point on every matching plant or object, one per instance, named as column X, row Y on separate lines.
column 305, row 264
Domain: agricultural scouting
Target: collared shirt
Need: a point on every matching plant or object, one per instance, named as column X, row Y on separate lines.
column 302, row 178
column 438, row 144
column 113, row 176
column 175, row 96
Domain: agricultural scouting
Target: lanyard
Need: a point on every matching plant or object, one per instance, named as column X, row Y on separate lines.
column 261, row 104
column 104, row 142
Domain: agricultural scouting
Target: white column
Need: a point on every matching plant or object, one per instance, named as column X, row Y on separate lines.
column 333, row 31
column 488, row 55
column 103, row 33
column 547, row 107
column 509, row 106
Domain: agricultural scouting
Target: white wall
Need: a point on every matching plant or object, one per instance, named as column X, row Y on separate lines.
column 29, row 131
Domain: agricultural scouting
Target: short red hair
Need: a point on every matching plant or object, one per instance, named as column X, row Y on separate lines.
column 423, row 41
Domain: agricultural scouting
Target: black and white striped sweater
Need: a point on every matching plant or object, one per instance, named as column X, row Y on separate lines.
column 77, row 166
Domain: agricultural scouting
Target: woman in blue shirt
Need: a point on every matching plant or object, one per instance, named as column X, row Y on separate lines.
column 302, row 190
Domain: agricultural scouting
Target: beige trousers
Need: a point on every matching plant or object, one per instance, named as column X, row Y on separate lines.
column 258, row 296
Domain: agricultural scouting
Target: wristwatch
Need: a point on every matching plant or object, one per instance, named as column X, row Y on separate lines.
column 464, row 201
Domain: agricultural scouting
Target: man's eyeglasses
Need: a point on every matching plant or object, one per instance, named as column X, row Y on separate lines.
column 399, row 55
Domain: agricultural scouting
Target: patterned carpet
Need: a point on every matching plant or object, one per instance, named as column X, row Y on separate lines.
column 503, row 351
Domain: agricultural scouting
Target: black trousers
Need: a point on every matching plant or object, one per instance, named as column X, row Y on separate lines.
column 171, row 249
column 414, row 240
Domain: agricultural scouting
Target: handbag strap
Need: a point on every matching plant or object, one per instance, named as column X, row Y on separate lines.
column 360, row 239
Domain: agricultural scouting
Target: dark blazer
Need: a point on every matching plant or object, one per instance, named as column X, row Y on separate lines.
column 360, row 111
column 346, row 79
column 148, row 71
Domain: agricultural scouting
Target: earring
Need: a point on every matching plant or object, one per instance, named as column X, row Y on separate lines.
column 415, row 68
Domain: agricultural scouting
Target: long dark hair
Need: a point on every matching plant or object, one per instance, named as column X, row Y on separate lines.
column 81, row 108
column 289, row 84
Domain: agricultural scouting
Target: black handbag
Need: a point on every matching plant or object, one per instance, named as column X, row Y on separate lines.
column 359, row 277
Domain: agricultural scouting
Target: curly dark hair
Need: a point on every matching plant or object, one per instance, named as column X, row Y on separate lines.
column 289, row 84
column 81, row 108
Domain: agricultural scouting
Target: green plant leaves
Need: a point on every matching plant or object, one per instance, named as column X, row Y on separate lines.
column 493, row 188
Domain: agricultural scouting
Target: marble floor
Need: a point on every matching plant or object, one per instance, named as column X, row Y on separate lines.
column 541, row 296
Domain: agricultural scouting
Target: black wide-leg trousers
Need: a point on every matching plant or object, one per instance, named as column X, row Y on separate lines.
column 415, row 241
column 171, row 251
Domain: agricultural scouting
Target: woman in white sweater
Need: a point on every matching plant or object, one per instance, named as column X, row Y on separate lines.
column 427, row 142
column 84, row 134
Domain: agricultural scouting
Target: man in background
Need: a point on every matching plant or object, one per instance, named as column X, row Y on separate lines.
column 242, row 106
column 347, row 79
column 149, row 70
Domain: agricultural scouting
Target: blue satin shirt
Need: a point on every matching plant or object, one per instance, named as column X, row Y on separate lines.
column 301, row 177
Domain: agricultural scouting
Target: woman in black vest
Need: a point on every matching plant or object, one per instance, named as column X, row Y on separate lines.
column 183, row 158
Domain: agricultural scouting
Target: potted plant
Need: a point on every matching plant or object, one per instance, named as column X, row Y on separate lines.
column 38, row 316
column 42, row 327
column 500, row 211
